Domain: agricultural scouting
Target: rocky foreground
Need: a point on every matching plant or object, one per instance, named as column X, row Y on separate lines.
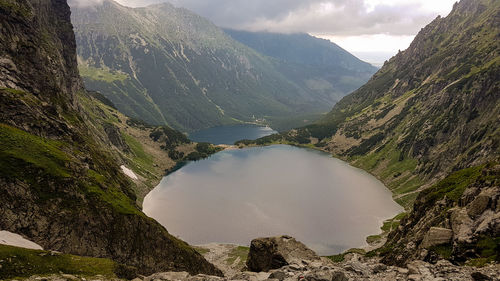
column 285, row 259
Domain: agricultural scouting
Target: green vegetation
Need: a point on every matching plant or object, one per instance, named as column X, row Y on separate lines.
column 142, row 162
column 444, row 251
column 203, row 150
column 100, row 74
column 454, row 185
column 114, row 197
column 44, row 154
column 393, row 223
column 240, row 253
column 367, row 145
column 207, row 148
column 397, row 173
column 19, row 262
column 100, row 97
column 13, row 91
column 373, row 238
column 201, row 250
column 488, row 249
column 172, row 137
column 387, row 248
column 267, row 140
column 341, row 257
column 15, row 7
column 284, row 123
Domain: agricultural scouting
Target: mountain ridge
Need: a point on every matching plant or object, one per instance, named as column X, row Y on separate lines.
column 287, row 48
column 165, row 64
column 60, row 183
column 313, row 63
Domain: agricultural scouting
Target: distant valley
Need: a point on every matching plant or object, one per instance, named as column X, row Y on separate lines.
column 166, row 65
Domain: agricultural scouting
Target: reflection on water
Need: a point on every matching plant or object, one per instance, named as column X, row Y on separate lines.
column 231, row 134
column 237, row 195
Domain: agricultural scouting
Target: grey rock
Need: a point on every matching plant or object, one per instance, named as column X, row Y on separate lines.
column 489, row 222
column 478, row 276
column 171, row 276
column 276, row 252
column 379, row 268
column 358, row 268
column 280, row 275
column 478, row 206
column 339, row 276
column 437, row 236
column 203, row 277
column 251, row 276
column 461, row 225
column 319, row 275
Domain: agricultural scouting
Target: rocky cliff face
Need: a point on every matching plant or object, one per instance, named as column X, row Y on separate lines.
column 38, row 62
column 59, row 184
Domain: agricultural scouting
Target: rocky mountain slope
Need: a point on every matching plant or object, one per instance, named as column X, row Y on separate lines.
column 313, row 63
column 427, row 125
column 432, row 109
column 166, row 65
column 61, row 184
column 292, row 265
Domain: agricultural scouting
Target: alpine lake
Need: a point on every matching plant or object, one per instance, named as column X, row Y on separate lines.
column 237, row 195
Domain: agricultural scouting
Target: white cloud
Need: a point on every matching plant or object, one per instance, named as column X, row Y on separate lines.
column 374, row 48
column 84, row 3
column 357, row 25
column 329, row 17
column 376, row 42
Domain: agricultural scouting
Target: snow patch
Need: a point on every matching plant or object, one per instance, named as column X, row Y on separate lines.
column 16, row 240
column 129, row 172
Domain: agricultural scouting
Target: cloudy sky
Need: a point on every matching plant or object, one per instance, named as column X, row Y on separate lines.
column 372, row 29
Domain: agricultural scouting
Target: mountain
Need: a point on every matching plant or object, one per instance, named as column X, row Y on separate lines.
column 312, row 62
column 427, row 125
column 166, row 65
column 61, row 184
column 431, row 109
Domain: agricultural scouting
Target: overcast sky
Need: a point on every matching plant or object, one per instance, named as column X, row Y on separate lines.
column 372, row 29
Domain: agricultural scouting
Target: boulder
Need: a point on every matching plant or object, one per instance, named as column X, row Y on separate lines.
column 437, row 236
column 478, row 206
column 462, row 225
column 275, row 252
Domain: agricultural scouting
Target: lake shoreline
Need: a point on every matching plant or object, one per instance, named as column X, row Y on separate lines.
column 289, row 155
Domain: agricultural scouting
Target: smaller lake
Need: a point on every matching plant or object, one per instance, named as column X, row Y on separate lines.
column 238, row 195
column 231, row 134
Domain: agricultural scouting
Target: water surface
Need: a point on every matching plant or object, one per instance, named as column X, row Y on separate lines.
column 231, row 134
column 237, row 195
